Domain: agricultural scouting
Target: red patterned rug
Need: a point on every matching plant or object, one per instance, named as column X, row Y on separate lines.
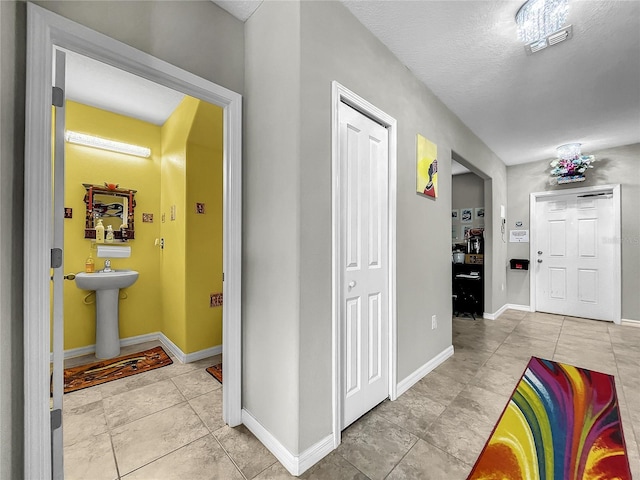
column 85, row 376
column 216, row 372
column 562, row 422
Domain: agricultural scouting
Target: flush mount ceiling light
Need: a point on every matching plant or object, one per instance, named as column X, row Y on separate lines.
column 541, row 24
column 105, row 144
column 570, row 151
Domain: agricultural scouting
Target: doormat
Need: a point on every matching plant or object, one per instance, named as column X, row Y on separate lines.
column 216, row 372
column 561, row 422
column 85, row 376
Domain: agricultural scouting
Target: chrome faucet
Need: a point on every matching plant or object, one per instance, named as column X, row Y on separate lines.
column 107, row 266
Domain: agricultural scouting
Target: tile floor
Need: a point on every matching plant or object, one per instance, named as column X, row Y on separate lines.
column 166, row 424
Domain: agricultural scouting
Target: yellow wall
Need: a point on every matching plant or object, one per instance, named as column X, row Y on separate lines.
column 175, row 132
column 204, row 231
column 172, row 292
column 141, row 312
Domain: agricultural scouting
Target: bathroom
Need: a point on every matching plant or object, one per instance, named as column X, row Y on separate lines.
column 177, row 216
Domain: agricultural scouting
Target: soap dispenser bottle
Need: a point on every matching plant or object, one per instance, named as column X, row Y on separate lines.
column 99, row 232
column 108, row 236
column 90, row 264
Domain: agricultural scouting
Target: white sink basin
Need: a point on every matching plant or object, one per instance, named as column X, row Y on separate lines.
column 115, row 279
column 107, row 286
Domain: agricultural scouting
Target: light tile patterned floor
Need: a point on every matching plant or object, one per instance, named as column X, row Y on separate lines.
column 166, row 424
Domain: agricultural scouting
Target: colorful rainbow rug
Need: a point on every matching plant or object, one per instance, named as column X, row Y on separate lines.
column 562, row 423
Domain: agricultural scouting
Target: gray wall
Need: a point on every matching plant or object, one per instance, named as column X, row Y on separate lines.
column 336, row 46
column 12, row 75
column 196, row 36
column 271, row 243
column 287, row 275
column 467, row 191
column 613, row 166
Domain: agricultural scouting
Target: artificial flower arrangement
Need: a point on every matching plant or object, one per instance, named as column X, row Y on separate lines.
column 571, row 170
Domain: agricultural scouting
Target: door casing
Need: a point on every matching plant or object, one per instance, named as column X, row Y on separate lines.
column 45, row 30
column 341, row 94
column 617, row 284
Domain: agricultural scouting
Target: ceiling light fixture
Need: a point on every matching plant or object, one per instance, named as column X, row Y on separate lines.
column 570, row 151
column 105, row 144
column 541, row 24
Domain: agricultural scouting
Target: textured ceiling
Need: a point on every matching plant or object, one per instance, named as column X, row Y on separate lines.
column 585, row 90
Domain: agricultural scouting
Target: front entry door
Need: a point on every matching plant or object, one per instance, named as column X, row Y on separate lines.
column 574, row 259
column 363, row 171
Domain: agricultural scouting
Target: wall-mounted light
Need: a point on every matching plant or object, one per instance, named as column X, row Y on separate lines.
column 105, row 144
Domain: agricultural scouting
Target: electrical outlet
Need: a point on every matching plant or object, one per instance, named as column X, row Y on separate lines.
column 434, row 322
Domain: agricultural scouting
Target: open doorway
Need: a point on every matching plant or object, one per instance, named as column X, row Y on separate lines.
column 467, row 240
column 172, row 225
column 46, row 31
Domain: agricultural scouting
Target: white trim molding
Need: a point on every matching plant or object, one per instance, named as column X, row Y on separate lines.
column 424, row 370
column 149, row 337
column 504, row 308
column 45, row 32
column 630, row 323
column 295, row 464
column 617, row 254
column 340, row 94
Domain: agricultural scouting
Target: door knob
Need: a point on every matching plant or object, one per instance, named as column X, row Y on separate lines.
column 70, row 276
column 539, row 260
column 352, row 284
column 539, row 252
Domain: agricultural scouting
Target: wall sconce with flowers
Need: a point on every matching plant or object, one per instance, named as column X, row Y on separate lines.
column 570, row 165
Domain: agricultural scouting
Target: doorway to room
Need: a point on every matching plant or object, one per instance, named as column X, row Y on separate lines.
column 468, row 241
column 46, row 30
column 168, row 306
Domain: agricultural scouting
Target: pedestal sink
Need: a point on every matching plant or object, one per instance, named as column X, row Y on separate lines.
column 107, row 286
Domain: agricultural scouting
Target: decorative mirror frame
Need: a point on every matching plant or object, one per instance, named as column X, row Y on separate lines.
column 108, row 189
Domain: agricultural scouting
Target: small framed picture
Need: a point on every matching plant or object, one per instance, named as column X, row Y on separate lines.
column 454, row 233
column 480, row 213
column 466, row 215
column 465, row 230
column 200, row 208
column 454, row 214
column 147, row 218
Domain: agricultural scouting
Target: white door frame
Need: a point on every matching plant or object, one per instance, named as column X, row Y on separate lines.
column 341, row 94
column 45, row 30
column 617, row 254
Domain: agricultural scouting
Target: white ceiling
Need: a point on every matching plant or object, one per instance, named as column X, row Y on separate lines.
column 585, row 90
column 102, row 86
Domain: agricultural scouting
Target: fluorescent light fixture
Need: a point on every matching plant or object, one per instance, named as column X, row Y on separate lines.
column 105, row 144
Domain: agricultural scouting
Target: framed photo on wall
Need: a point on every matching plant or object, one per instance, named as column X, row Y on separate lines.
column 479, row 213
column 454, row 214
column 466, row 215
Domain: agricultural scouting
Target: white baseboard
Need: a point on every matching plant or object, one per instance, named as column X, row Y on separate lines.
column 421, row 372
column 295, row 464
column 630, row 323
column 148, row 337
column 504, row 308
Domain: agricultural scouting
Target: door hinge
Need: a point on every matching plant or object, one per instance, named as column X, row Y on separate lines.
column 56, row 419
column 56, row 257
column 57, row 97
column 223, row 276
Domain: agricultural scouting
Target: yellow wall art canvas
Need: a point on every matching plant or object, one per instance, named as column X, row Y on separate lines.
column 426, row 167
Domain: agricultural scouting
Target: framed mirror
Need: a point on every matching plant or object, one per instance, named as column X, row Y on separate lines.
column 114, row 205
